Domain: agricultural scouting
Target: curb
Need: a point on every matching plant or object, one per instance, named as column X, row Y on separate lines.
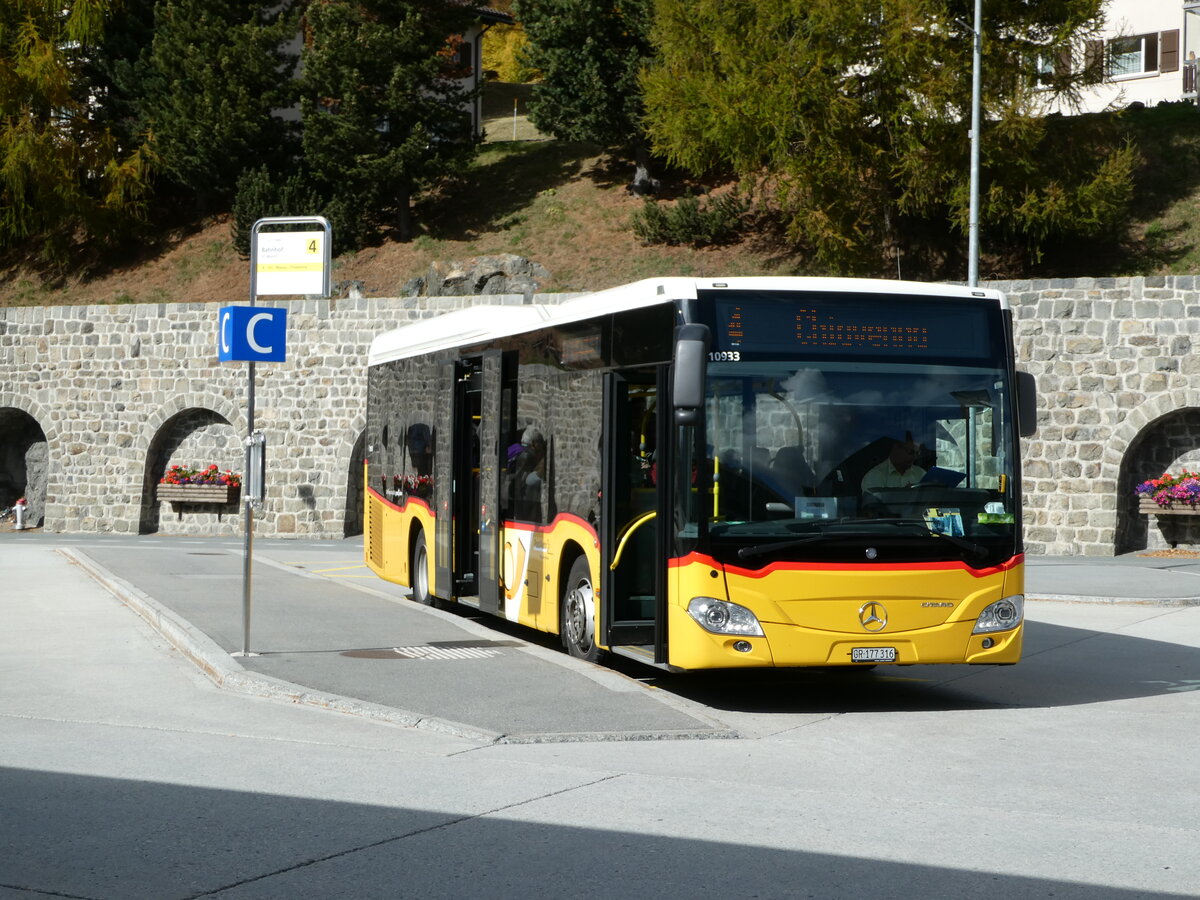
column 204, row 653
column 1166, row 602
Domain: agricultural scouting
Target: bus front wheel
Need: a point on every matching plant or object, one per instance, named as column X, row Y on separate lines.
column 579, row 613
column 419, row 570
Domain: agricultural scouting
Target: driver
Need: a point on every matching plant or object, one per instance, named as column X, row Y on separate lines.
column 899, row 469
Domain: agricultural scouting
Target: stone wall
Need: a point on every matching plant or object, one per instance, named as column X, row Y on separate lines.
column 1119, row 387
column 111, row 396
column 99, row 400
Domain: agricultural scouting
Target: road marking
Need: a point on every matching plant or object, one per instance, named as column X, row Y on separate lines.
column 359, row 567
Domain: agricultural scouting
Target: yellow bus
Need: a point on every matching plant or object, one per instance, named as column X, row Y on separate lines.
column 713, row 473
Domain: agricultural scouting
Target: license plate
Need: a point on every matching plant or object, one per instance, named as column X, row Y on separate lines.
column 872, row 654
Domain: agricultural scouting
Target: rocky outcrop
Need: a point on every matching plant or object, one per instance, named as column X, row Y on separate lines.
column 505, row 273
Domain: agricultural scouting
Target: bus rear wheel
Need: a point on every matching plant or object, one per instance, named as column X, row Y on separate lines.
column 419, row 572
column 579, row 613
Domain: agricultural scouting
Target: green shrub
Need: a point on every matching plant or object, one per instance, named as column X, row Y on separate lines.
column 262, row 194
column 692, row 221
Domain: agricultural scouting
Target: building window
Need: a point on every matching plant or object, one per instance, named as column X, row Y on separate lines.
column 1134, row 55
column 1051, row 66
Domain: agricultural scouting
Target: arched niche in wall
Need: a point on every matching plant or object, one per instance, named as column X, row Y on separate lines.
column 353, row 518
column 1170, row 443
column 24, row 461
column 194, row 438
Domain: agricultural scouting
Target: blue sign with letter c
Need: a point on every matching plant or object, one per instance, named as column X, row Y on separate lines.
column 251, row 334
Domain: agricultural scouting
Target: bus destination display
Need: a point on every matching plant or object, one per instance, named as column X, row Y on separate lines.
column 891, row 326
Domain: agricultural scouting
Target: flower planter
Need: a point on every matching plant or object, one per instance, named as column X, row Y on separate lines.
column 199, row 493
column 1146, row 505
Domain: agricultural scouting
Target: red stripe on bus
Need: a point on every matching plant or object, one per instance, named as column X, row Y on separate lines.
column 546, row 529
column 514, row 525
column 415, row 501
column 702, row 559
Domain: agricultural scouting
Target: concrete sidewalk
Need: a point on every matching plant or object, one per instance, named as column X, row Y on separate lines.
column 1167, row 580
column 325, row 631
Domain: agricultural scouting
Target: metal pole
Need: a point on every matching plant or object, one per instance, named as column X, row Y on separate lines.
column 249, row 507
column 247, row 501
column 973, row 220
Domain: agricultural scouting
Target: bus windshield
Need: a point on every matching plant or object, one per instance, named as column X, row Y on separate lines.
column 829, row 460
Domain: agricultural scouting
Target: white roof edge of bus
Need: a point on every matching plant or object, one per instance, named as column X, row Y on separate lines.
column 477, row 324
column 472, row 324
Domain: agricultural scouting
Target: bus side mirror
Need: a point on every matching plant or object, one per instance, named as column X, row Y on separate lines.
column 690, row 364
column 1026, row 404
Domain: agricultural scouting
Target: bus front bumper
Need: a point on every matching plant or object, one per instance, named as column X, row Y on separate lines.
column 783, row 646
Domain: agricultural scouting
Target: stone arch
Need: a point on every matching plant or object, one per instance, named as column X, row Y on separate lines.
column 188, row 435
column 352, row 520
column 1162, row 434
column 155, row 420
column 24, row 459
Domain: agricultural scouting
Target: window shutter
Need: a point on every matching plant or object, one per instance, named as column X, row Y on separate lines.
column 1062, row 62
column 1093, row 62
column 1168, row 51
column 1150, row 60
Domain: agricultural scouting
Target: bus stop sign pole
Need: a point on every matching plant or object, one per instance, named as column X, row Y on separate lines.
column 282, row 262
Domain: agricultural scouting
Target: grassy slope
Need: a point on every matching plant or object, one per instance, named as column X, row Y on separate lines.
column 562, row 205
column 565, row 206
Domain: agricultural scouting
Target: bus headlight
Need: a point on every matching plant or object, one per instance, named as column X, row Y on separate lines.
column 723, row 617
column 1001, row 615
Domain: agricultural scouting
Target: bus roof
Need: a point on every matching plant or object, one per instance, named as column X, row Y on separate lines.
column 485, row 322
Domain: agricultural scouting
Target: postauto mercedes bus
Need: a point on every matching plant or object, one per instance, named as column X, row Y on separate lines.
column 703, row 473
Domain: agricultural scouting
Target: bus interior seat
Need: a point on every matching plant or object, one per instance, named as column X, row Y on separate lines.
column 792, row 472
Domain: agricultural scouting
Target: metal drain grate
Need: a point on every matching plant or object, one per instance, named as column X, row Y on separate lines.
column 442, row 650
column 446, row 652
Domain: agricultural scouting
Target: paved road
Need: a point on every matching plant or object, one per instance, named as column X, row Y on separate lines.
column 125, row 773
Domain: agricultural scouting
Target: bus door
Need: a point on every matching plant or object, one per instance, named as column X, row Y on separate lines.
column 468, row 537
column 633, row 559
column 458, row 532
column 446, row 465
column 487, row 482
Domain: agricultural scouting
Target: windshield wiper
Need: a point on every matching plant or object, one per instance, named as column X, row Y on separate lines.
column 961, row 543
column 760, row 549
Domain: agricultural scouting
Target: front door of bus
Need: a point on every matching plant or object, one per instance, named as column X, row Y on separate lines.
column 633, row 577
column 472, row 529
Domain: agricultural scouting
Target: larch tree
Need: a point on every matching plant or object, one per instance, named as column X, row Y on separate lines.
column 65, row 180
column 856, row 114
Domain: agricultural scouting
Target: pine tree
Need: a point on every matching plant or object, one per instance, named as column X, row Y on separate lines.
column 857, row 112
column 213, row 87
column 589, row 53
column 384, row 108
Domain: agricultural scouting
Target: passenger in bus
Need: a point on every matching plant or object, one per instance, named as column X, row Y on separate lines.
column 899, row 469
column 527, row 469
column 420, row 448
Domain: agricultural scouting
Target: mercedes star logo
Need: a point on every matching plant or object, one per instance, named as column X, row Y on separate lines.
column 873, row 616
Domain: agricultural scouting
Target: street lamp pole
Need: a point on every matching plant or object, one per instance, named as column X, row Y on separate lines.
column 973, row 215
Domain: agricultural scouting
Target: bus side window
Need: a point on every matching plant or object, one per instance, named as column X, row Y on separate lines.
column 525, row 473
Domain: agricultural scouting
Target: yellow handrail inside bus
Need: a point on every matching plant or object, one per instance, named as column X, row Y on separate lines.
column 716, row 487
column 633, row 526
